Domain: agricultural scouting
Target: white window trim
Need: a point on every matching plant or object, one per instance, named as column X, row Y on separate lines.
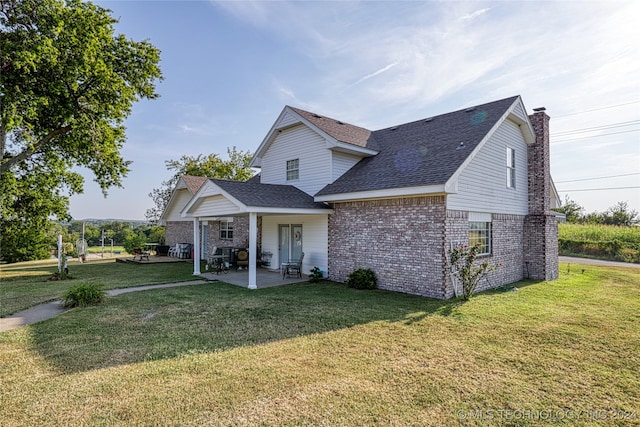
column 485, row 231
column 226, row 227
column 290, row 168
column 511, row 167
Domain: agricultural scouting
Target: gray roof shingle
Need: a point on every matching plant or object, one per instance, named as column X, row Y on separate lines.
column 253, row 193
column 421, row 153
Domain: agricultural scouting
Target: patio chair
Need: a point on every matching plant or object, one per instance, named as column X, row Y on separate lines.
column 292, row 267
column 173, row 250
column 242, row 259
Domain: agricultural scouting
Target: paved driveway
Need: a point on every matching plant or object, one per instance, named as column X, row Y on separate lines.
column 589, row 261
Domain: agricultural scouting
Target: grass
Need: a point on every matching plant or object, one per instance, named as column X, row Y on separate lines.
column 23, row 285
column 324, row 354
column 610, row 242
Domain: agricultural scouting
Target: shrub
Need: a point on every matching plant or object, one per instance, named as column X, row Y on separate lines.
column 83, row 295
column 463, row 268
column 362, row 278
column 316, row 275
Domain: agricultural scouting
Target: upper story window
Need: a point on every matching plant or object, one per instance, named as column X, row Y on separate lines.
column 293, row 169
column 226, row 230
column 511, row 168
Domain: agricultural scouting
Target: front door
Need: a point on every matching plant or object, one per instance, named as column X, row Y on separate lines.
column 290, row 242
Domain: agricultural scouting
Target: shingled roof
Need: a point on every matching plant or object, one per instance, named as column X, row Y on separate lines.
column 421, row 153
column 343, row 132
column 193, row 183
column 253, row 193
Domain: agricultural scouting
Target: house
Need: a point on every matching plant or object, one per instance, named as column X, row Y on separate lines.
column 395, row 200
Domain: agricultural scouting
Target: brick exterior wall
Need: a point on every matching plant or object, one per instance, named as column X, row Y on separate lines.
column 507, row 248
column 406, row 243
column 179, row 232
column 401, row 240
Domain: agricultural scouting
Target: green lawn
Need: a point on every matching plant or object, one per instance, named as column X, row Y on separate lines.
column 25, row 284
column 324, row 354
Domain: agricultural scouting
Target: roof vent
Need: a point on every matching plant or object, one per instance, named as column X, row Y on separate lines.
column 537, row 110
column 339, row 122
column 317, row 116
column 394, row 128
column 470, row 109
column 461, row 146
column 428, row 119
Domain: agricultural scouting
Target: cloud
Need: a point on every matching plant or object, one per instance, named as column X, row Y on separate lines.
column 474, row 15
column 375, row 73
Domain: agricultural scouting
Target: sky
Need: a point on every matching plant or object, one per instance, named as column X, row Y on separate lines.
column 231, row 67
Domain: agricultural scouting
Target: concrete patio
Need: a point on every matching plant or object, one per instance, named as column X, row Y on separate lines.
column 264, row 278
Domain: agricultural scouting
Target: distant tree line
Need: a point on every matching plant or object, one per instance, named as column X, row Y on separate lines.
column 620, row 214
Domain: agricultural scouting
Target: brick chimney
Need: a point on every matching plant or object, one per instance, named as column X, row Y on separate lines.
column 541, row 227
column 539, row 164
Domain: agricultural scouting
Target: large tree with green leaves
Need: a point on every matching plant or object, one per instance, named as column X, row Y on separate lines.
column 67, row 83
column 236, row 168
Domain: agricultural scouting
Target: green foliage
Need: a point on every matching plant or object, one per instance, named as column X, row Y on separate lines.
column 600, row 241
column 134, row 241
column 210, row 166
column 67, row 83
column 316, row 275
column 463, row 266
column 83, row 295
column 571, row 209
column 362, row 278
column 619, row 214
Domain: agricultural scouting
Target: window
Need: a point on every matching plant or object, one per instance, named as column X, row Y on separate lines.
column 226, row 230
column 480, row 234
column 293, row 169
column 511, row 168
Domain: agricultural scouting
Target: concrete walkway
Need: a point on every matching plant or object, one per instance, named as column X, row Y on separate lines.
column 54, row 308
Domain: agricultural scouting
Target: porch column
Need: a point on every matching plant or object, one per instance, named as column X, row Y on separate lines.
column 253, row 247
column 196, row 246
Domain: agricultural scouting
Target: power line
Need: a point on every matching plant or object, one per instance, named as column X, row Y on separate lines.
column 598, row 189
column 597, row 109
column 611, row 126
column 594, row 136
column 599, row 177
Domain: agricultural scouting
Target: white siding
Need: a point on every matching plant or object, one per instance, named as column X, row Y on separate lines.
column 482, row 185
column 180, row 200
column 287, row 120
column 342, row 162
column 214, row 206
column 315, row 239
column 519, row 111
column 298, row 142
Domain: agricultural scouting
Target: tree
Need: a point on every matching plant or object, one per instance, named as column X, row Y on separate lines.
column 571, row 209
column 67, row 83
column 620, row 214
column 212, row 166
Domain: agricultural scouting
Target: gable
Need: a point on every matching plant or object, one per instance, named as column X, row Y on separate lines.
column 481, row 185
column 179, row 200
column 336, row 134
column 301, row 143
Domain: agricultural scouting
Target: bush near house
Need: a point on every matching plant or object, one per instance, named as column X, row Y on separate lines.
column 615, row 243
column 362, row 278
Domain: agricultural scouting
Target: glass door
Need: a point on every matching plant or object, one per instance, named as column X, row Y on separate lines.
column 290, row 242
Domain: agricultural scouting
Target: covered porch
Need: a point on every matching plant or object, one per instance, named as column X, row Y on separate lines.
column 277, row 206
column 264, row 278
